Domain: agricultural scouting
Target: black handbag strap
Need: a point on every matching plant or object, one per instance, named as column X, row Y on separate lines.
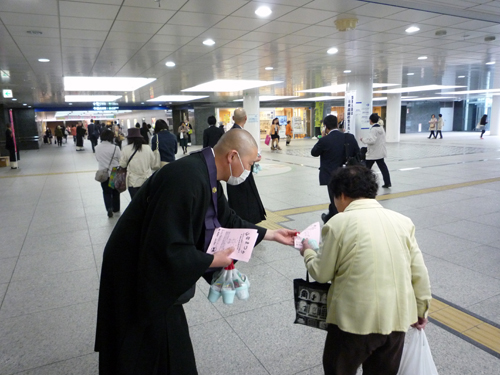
column 111, row 160
column 128, row 162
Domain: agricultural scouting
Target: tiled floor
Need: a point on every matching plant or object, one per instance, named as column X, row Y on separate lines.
column 54, row 228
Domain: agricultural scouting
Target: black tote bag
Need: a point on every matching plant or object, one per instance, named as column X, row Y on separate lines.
column 310, row 303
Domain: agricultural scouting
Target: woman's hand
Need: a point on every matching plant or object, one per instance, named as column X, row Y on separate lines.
column 283, row 236
column 222, row 258
column 420, row 325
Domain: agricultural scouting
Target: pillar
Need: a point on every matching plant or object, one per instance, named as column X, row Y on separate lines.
column 393, row 118
column 359, row 94
column 201, row 115
column 495, row 108
column 251, row 106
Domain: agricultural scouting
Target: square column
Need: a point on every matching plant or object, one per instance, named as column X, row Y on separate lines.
column 393, row 118
column 251, row 105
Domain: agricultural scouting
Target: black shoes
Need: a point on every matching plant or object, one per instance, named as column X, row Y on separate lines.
column 386, row 186
column 110, row 213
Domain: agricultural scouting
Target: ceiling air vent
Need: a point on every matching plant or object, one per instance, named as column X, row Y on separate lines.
column 346, row 24
column 441, row 33
column 489, row 38
column 34, row 32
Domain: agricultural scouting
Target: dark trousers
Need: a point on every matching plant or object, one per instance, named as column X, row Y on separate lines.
column 111, row 197
column 133, row 191
column 383, row 168
column 432, row 134
column 93, row 141
column 59, row 141
column 482, row 132
column 438, row 132
column 332, row 210
column 345, row 352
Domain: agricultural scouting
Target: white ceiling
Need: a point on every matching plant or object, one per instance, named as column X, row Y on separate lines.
column 134, row 38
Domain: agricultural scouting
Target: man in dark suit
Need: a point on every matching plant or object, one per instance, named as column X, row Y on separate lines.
column 94, row 132
column 333, row 149
column 212, row 134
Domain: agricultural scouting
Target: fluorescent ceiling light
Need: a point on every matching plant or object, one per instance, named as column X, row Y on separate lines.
column 91, row 98
column 378, row 85
column 333, row 88
column 490, row 63
column 332, row 51
column 318, row 99
column 402, row 98
column 14, row 99
column 229, row 85
column 410, row 74
column 208, row 42
column 176, row 98
column 267, row 98
column 70, row 103
column 412, row 29
column 105, row 83
column 422, row 58
column 347, row 71
column 416, row 89
column 25, row 104
column 263, row 11
column 170, row 64
column 43, row 60
column 487, row 91
column 461, row 76
column 269, row 68
column 431, row 98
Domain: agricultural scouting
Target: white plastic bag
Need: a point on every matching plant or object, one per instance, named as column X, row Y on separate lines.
column 417, row 357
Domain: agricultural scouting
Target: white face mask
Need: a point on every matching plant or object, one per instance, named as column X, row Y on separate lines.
column 238, row 180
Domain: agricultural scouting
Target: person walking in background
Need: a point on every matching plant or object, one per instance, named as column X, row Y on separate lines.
column 80, row 134
column 212, row 134
column 119, row 136
column 10, row 145
column 379, row 282
column 440, row 124
column 376, row 151
column 182, row 135
column 432, row 126
column 59, row 134
column 138, row 158
column 108, row 157
column 48, row 134
column 242, row 193
column 482, row 125
column 73, row 133
column 189, row 133
column 145, row 132
column 94, row 131
column 275, row 136
column 289, row 132
column 332, row 149
column 166, row 141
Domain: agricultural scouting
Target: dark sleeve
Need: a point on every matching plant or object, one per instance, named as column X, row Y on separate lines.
column 205, row 138
column 317, row 149
column 153, row 142
column 354, row 144
column 229, row 219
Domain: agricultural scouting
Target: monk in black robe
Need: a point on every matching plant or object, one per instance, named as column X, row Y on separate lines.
column 244, row 198
column 155, row 254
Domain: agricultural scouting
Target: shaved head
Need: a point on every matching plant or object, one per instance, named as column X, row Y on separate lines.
column 239, row 116
column 236, row 139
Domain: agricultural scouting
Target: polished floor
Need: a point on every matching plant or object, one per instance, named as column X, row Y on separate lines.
column 54, row 228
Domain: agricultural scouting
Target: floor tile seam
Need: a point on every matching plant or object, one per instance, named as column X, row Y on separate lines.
column 5, row 318
column 246, row 346
column 51, row 274
column 50, row 364
column 21, row 250
column 486, row 299
column 256, row 308
column 277, row 270
column 46, row 174
column 467, row 267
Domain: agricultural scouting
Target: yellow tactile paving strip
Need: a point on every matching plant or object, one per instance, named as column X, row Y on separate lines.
column 454, row 319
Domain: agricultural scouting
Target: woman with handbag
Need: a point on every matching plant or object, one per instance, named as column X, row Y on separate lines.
column 165, row 142
column 183, row 139
column 138, row 158
column 432, row 126
column 275, row 136
column 108, row 156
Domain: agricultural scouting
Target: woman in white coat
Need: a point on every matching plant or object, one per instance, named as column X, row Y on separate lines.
column 432, row 126
column 376, row 149
column 440, row 125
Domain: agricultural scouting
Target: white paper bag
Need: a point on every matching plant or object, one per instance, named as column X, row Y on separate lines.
column 417, row 357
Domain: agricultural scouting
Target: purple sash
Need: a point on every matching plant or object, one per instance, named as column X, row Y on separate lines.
column 211, row 221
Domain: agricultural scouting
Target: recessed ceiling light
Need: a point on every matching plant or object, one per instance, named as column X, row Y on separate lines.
column 229, row 85
column 208, row 42
column 412, row 29
column 461, row 76
column 176, row 98
column 170, row 64
column 14, row 99
column 105, row 83
column 24, row 104
column 269, row 68
column 422, row 58
column 332, row 51
column 29, row 106
column 410, row 74
column 347, row 71
column 70, row 103
column 263, row 11
column 43, row 60
column 91, row 98
column 490, row 63
column 142, row 103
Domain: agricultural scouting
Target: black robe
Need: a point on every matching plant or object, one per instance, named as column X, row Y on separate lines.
column 80, row 133
column 155, row 254
column 244, row 198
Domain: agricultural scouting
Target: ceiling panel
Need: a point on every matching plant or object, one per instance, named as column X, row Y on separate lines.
column 221, row 7
column 340, row 6
column 182, row 31
column 31, row 20
column 142, row 14
column 88, row 10
column 23, row 31
column 163, row 4
column 43, row 7
column 307, row 16
column 186, row 19
column 241, row 23
column 137, row 27
column 84, row 34
column 248, row 11
column 80, row 23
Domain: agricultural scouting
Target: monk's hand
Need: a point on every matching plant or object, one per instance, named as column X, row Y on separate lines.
column 222, row 258
column 284, row 236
